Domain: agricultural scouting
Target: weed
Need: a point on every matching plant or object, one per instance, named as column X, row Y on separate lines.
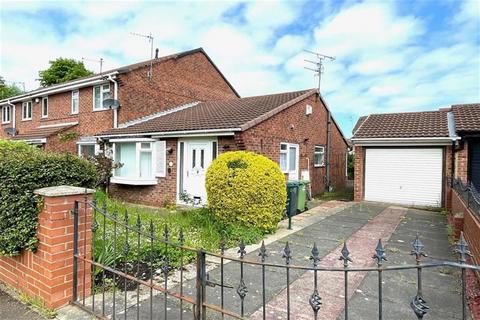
column 38, row 305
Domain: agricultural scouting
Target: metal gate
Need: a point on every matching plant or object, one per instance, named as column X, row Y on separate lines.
column 121, row 288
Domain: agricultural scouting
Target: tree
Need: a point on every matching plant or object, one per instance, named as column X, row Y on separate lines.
column 63, row 70
column 7, row 91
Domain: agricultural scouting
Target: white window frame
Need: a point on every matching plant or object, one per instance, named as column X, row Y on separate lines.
column 6, row 114
column 297, row 157
column 102, row 91
column 136, row 180
column 78, row 102
column 24, row 116
column 42, row 107
column 80, row 144
column 315, row 152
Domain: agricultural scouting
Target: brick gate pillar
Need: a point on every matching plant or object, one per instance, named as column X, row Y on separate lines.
column 48, row 273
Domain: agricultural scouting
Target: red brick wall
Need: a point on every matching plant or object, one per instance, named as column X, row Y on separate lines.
column 471, row 225
column 175, row 82
column 359, row 171
column 307, row 131
column 461, row 162
column 47, row 273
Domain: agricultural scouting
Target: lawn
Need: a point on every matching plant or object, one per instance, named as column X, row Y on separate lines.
column 116, row 245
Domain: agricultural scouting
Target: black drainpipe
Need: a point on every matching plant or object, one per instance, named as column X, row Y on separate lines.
column 329, row 138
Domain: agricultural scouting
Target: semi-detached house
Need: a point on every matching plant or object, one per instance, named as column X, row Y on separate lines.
column 170, row 126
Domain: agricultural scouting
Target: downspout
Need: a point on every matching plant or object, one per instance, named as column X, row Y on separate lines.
column 329, row 138
column 452, row 132
column 13, row 116
column 115, row 93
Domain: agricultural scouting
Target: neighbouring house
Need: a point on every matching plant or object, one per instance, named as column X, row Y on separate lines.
column 411, row 158
column 65, row 117
column 165, row 155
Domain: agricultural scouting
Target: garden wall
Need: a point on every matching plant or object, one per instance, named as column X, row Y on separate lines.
column 471, row 226
column 47, row 274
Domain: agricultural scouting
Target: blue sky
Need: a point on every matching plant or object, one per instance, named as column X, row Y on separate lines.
column 391, row 56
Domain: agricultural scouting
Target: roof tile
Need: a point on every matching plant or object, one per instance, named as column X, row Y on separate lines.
column 467, row 117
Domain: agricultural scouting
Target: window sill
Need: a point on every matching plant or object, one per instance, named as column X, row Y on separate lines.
column 27, row 119
column 99, row 110
column 3, row 123
column 134, row 181
column 319, row 165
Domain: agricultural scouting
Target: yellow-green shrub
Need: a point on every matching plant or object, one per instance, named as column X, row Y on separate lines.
column 247, row 188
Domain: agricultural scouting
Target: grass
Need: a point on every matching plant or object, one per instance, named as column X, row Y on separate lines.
column 115, row 244
column 340, row 194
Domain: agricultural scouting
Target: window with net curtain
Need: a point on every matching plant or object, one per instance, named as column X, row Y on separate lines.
column 133, row 167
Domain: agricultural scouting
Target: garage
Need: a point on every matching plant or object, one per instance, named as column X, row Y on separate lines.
column 409, row 176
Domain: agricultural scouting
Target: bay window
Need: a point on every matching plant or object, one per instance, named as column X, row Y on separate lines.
column 140, row 161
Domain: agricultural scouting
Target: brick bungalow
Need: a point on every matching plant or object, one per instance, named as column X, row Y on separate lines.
column 410, row 158
column 65, row 117
column 166, row 154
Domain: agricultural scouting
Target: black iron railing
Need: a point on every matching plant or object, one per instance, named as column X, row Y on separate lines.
column 116, row 304
column 469, row 194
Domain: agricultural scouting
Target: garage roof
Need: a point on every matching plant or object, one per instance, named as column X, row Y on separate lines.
column 467, row 117
column 426, row 124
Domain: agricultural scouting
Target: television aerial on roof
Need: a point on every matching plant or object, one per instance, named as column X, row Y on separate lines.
column 111, row 104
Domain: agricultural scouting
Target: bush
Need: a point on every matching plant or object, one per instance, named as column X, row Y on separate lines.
column 23, row 169
column 246, row 188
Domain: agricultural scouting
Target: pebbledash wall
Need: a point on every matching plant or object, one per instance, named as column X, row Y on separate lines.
column 176, row 81
column 47, row 274
column 264, row 138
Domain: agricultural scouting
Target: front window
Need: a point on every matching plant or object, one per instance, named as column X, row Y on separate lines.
column 319, row 159
column 27, row 110
column 100, row 93
column 125, row 155
column 45, row 107
column 75, row 101
column 86, row 150
column 6, row 114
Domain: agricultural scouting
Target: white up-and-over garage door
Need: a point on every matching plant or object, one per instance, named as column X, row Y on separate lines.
column 411, row 176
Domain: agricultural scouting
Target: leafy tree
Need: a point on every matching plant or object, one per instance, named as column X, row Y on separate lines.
column 63, row 70
column 7, row 91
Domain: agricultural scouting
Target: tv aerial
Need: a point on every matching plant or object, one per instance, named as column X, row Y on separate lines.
column 150, row 39
column 100, row 61
column 318, row 65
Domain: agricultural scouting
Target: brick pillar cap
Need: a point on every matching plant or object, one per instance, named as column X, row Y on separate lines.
column 62, row 191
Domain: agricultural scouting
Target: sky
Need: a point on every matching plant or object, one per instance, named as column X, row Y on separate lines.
column 390, row 56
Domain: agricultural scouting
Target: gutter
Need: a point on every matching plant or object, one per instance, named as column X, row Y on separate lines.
column 229, row 131
column 60, row 88
column 404, row 141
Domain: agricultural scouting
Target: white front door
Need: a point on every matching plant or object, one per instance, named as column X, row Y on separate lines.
column 196, row 159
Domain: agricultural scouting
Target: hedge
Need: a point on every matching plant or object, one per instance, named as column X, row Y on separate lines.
column 246, row 188
column 24, row 168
